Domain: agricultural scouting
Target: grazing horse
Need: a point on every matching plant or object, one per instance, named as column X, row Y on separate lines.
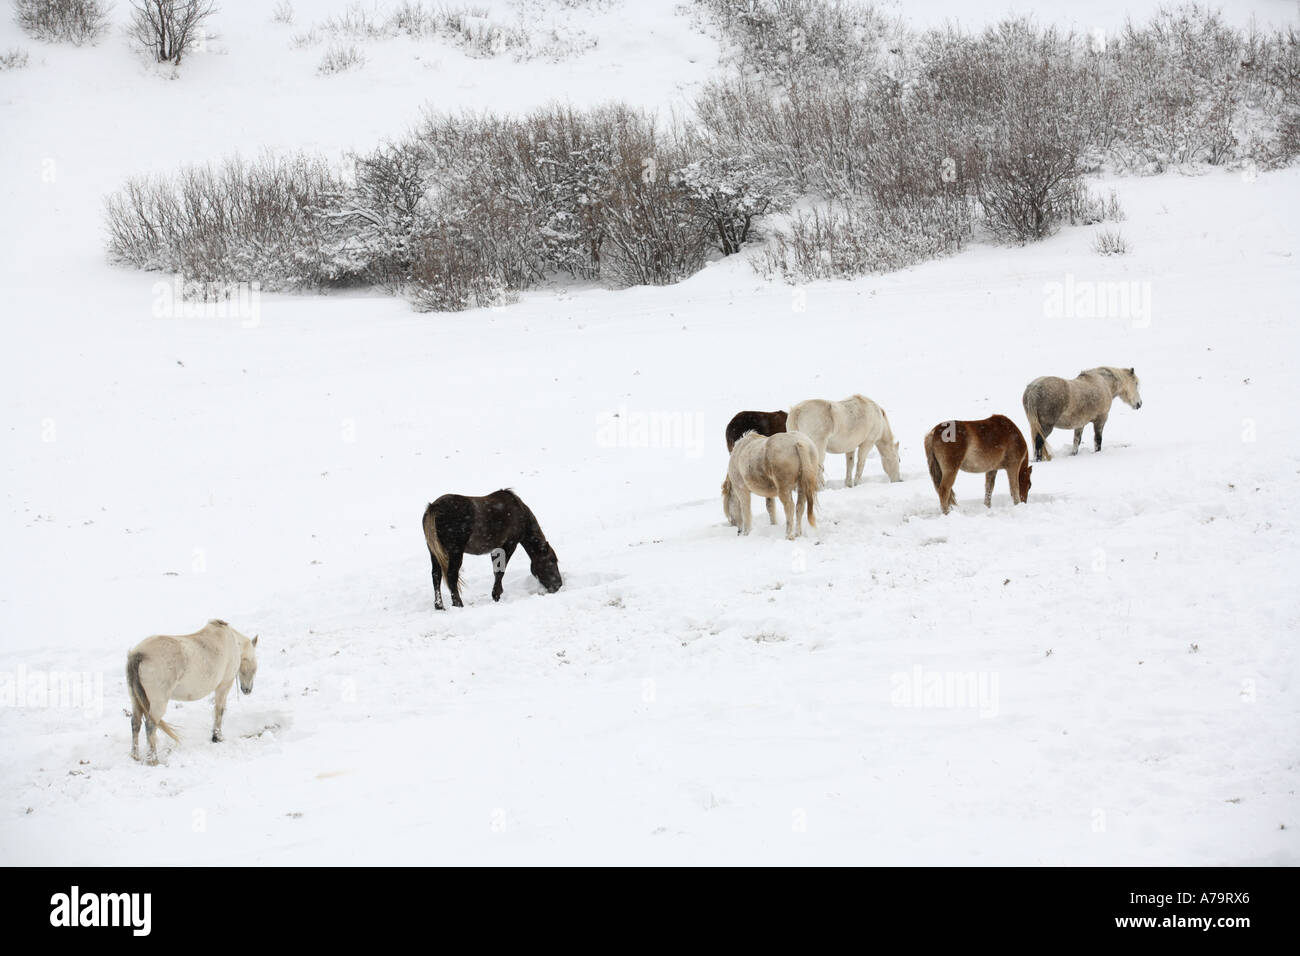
column 162, row 668
column 989, row 445
column 771, row 467
column 1052, row 402
column 854, row 424
column 765, row 423
column 456, row 525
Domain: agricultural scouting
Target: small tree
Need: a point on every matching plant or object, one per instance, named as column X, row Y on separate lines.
column 167, row 28
column 730, row 192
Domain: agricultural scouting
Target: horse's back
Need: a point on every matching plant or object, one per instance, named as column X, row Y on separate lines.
column 765, row 423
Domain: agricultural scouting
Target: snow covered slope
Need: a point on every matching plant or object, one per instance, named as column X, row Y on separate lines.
column 1105, row 675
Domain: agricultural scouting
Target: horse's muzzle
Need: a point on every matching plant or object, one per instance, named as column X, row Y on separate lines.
column 1138, row 405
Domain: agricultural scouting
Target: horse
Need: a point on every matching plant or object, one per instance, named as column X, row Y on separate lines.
column 844, row 427
column 1052, row 402
column 772, row 467
column 988, row 445
column 189, row 667
column 765, row 423
column 456, row 525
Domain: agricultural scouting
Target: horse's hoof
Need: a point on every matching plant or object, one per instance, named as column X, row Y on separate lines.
column 216, row 738
column 496, row 596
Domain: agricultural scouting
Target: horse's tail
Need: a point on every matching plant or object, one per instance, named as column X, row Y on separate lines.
column 436, row 550
column 1035, row 427
column 931, row 459
column 808, row 478
column 139, row 699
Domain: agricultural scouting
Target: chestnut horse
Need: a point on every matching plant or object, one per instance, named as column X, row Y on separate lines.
column 765, row 423
column 456, row 525
column 989, row 445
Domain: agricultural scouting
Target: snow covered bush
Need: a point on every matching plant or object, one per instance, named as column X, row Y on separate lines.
column 71, row 21
column 282, row 12
column 167, row 29
column 793, row 40
column 242, row 221
column 14, row 59
column 848, row 240
column 729, row 193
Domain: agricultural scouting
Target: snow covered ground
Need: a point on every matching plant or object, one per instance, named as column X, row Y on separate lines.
column 1107, row 675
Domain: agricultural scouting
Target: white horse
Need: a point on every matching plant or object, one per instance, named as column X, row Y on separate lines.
column 853, row 425
column 771, row 467
column 162, row 668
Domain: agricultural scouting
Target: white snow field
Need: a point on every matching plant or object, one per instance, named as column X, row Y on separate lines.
column 1105, row 675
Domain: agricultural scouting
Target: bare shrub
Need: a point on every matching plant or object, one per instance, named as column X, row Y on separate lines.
column 1087, row 207
column 1109, row 242
column 167, row 29
column 282, row 12
column 241, row 221
column 14, row 59
column 340, row 58
column 70, row 21
column 848, row 240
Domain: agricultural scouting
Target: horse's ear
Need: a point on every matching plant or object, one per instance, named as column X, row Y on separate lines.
column 1133, row 373
column 255, row 637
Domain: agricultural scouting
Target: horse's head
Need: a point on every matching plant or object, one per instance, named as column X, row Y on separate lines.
column 1125, row 382
column 247, row 664
column 1026, row 469
column 546, row 568
column 1128, row 387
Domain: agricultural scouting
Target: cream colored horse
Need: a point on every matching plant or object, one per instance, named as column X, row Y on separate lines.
column 846, row 427
column 162, row 668
column 771, row 467
column 1052, row 402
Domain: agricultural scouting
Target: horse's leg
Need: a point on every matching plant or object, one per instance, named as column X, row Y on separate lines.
column 1047, row 450
column 1013, row 479
column 509, row 550
column 771, row 509
column 989, row 478
column 863, row 450
column 848, row 469
column 454, row 557
column 151, row 736
column 437, row 583
column 135, row 730
column 1078, row 437
column 219, row 709
column 1097, row 426
column 746, row 512
column 946, row 498
column 791, row 513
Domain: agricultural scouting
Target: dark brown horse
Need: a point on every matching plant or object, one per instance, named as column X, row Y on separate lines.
column 455, row 525
column 765, row 423
column 988, row 446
